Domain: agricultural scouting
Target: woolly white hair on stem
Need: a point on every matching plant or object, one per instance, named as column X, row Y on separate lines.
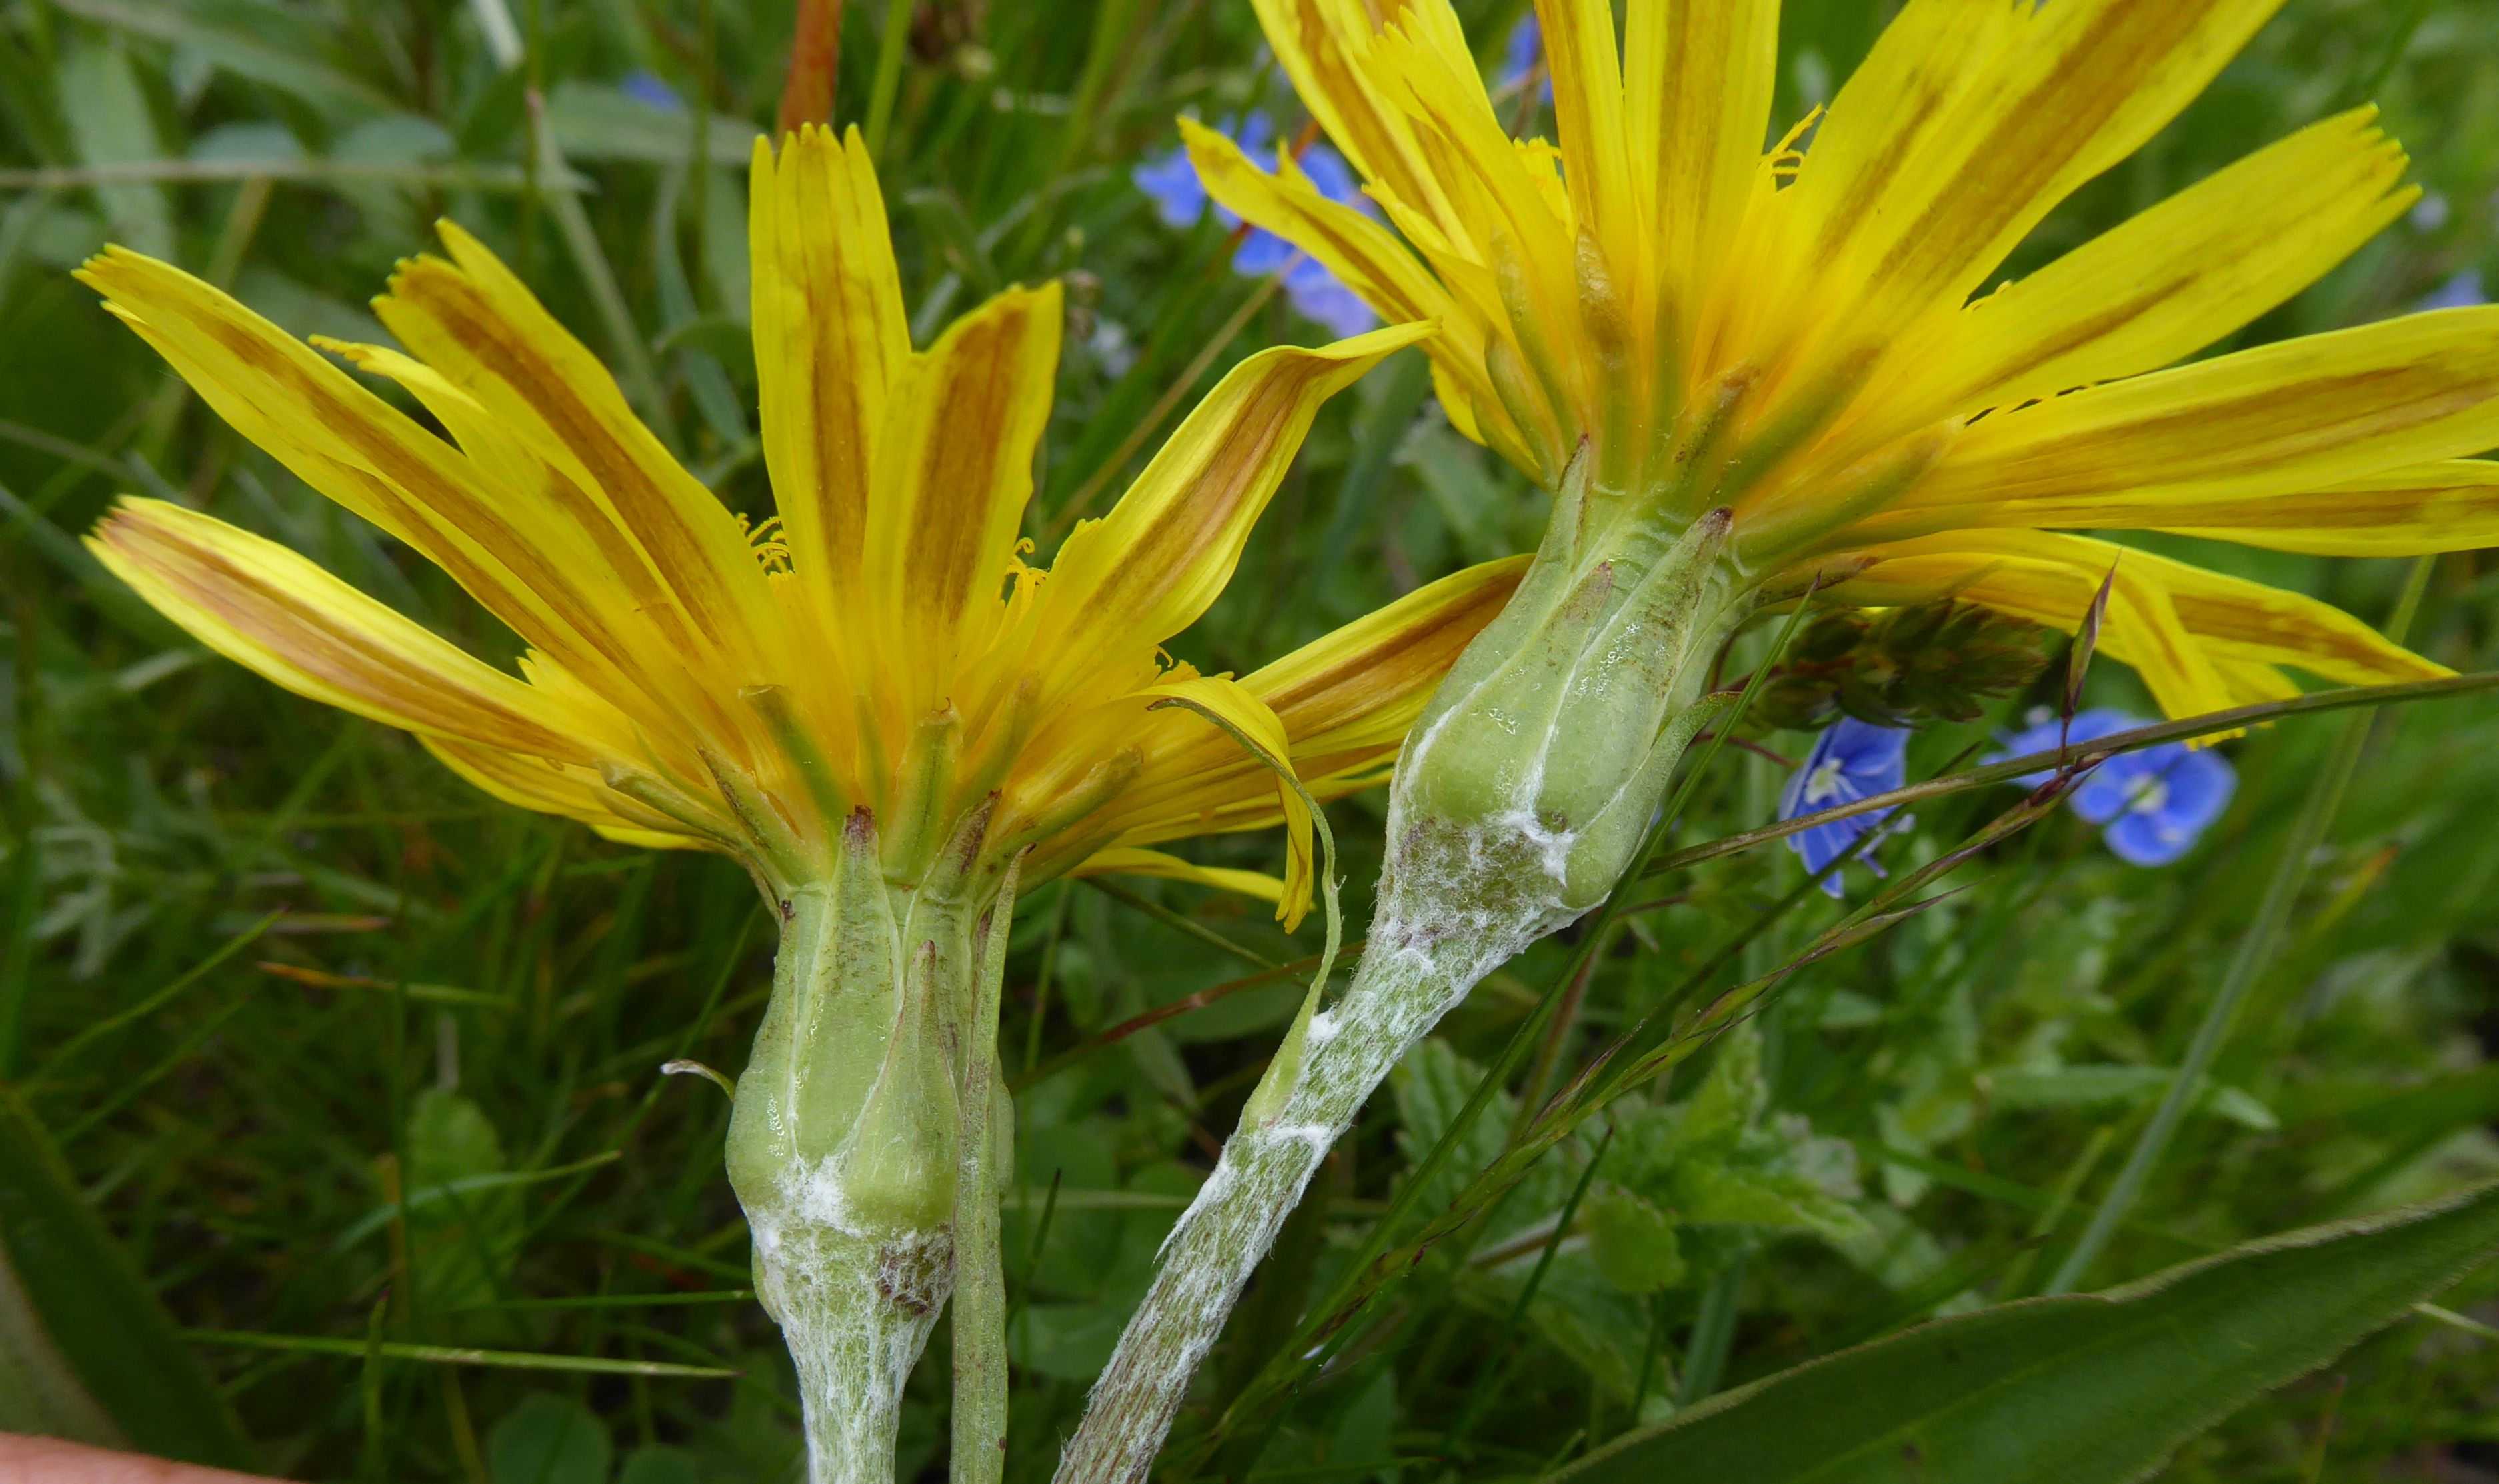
column 1493, row 843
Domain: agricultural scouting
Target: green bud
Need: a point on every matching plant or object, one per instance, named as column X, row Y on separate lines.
column 1557, row 729
column 836, row 997
column 849, row 1110
column 897, row 1170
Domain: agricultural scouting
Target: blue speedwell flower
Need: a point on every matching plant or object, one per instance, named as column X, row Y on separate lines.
column 647, row 90
column 1522, row 53
column 1852, row 760
column 1179, row 200
column 2154, row 804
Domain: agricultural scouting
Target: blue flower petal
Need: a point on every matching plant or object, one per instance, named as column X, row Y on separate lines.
column 1851, row 761
column 2047, row 736
column 1524, row 50
column 2143, row 840
column 1170, row 182
column 1261, row 253
column 1316, row 293
column 2197, row 787
column 2464, row 291
column 648, row 89
column 2121, row 785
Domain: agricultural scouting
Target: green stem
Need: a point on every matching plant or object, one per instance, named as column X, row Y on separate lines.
column 855, row 1297
column 888, row 73
column 980, row 1270
column 1713, row 1335
column 864, row 1145
column 1527, row 789
column 1411, row 974
column 2255, row 950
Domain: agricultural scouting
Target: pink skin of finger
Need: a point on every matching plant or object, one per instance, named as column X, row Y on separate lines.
column 25, row 1460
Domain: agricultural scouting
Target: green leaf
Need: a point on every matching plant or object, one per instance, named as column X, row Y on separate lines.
column 107, row 113
column 1633, row 1241
column 464, row 1233
column 596, row 122
column 658, row 1463
column 264, row 42
column 2094, row 1389
column 38, row 1393
column 723, row 339
column 549, row 1439
column 95, row 1329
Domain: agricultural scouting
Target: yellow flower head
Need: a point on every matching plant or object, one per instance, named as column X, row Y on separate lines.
column 880, row 655
column 1800, row 336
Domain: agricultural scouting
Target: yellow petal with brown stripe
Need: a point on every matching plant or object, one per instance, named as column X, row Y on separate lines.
column 941, row 532
column 1347, row 696
column 1365, row 256
column 2201, row 641
column 2281, row 418
column 477, row 325
column 261, row 605
column 1699, row 77
column 2175, row 279
column 2452, row 505
column 363, row 453
column 1158, row 560
column 1345, row 700
column 1323, row 45
column 1974, row 118
column 832, row 343
column 1370, row 260
column 1586, row 69
column 548, row 788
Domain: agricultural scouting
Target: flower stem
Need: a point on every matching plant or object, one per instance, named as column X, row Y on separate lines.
column 980, row 1431
column 1448, row 916
column 1526, row 788
column 853, row 1332
column 855, row 1292
column 865, row 1145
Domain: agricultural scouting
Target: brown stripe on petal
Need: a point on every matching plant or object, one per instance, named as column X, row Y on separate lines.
column 1370, row 679
column 653, row 496
column 401, row 475
column 1158, row 557
column 823, row 351
column 970, row 456
column 312, row 642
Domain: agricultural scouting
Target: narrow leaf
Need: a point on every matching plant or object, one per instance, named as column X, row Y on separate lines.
column 2094, row 1389
column 2087, row 643
column 99, row 1315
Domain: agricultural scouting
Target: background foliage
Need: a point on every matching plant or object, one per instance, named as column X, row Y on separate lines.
column 352, row 1062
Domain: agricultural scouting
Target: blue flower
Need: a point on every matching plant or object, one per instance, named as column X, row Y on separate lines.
column 1852, row 760
column 1316, row 293
column 646, row 89
column 2154, row 804
column 2461, row 292
column 1522, row 54
column 2047, row 733
column 1170, row 181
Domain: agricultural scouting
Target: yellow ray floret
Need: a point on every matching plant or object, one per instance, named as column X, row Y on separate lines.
column 888, row 651
column 1809, row 337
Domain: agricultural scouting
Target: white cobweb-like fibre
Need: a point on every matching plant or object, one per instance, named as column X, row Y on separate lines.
column 855, row 1309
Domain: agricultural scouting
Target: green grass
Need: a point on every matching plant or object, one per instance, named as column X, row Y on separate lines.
column 266, row 969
